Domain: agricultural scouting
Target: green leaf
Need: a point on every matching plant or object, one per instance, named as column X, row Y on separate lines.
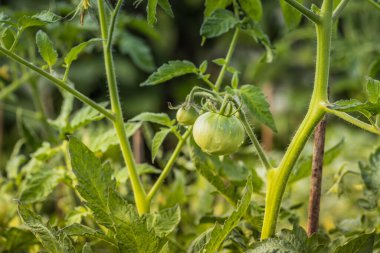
column 361, row 244
column 72, row 55
column 102, row 142
column 370, row 172
column 203, row 67
column 132, row 233
column 165, row 221
column 39, row 19
column 218, row 23
column 373, row 90
column 96, row 186
column 219, row 61
column 138, row 50
column 157, row 118
column 368, row 109
column 255, row 31
column 41, row 184
column 292, row 16
column 170, row 70
column 47, row 16
column 293, row 241
column 254, row 104
column 94, row 180
column 220, row 232
column 46, row 48
column 152, row 10
column 212, row 5
column 199, row 243
column 85, row 116
column 157, row 141
column 165, row 5
column 235, row 80
column 52, row 240
column 87, row 232
column 253, row 8
column 208, row 166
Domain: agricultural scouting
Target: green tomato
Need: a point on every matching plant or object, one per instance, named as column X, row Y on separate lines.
column 186, row 117
column 217, row 134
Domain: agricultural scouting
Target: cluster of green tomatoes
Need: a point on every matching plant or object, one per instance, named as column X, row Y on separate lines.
column 216, row 133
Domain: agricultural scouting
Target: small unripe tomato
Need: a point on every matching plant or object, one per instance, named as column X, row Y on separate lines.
column 217, row 134
column 186, row 117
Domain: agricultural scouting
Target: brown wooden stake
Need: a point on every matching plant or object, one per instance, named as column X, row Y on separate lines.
column 316, row 178
column 266, row 132
column 138, row 148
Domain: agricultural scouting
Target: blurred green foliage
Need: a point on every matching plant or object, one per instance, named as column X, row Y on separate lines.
column 140, row 48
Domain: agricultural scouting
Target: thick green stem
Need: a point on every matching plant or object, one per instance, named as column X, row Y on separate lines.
column 57, row 82
column 138, row 190
column 280, row 176
column 169, row 165
column 230, row 52
column 276, row 188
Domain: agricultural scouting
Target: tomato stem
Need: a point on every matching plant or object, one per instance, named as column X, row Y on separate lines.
column 353, row 120
column 376, row 5
column 224, row 105
column 17, row 39
column 251, row 134
column 339, row 9
column 305, row 11
column 118, row 122
column 279, row 177
column 230, row 52
column 112, row 23
column 59, row 83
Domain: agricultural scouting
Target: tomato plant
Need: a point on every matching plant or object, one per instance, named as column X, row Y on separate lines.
column 77, row 179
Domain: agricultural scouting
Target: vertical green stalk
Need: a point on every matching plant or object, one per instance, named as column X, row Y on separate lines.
column 138, row 190
column 230, row 52
column 279, row 177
